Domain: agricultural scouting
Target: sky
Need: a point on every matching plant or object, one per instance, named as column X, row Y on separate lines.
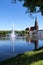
column 11, row 13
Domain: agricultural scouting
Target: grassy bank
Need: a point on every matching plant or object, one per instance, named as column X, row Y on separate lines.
column 28, row 58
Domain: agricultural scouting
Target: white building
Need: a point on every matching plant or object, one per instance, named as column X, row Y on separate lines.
column 40, row 32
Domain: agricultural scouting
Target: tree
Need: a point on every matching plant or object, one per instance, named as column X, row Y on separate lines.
column 33, row 6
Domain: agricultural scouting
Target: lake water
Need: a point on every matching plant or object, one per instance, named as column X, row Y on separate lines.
column 10, row 47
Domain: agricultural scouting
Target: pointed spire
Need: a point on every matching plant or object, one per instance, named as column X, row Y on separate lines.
column 36, row 19
column 36, row 24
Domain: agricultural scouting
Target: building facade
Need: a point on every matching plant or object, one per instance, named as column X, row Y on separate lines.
column 34, row 29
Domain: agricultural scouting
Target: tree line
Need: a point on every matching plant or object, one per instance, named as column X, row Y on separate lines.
column 20, row 33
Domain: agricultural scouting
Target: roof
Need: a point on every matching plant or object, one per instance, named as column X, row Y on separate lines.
column 32, row 28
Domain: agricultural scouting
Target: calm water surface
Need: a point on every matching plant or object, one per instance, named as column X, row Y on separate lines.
column 10, row 47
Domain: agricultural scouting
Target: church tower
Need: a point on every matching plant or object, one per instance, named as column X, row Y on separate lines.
column 36, row 24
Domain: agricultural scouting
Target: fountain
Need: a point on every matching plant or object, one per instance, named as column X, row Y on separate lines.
column 12, row 34
column 13, row 37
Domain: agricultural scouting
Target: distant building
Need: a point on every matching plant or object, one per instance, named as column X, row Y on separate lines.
column 34, row 29
column 36, row 24
column 40, row 32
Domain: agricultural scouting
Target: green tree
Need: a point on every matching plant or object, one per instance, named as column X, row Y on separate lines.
column 33, row 6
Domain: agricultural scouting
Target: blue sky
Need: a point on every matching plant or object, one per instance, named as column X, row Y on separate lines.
column 11, row 13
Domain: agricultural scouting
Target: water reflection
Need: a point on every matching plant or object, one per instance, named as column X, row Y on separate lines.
column 34, row 40
column 11, row 47
column 12, row 43
column 4, row 38
column 30, row 39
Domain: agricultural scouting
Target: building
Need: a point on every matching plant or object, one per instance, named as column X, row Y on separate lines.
column 34, row 29
column 40, row 32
